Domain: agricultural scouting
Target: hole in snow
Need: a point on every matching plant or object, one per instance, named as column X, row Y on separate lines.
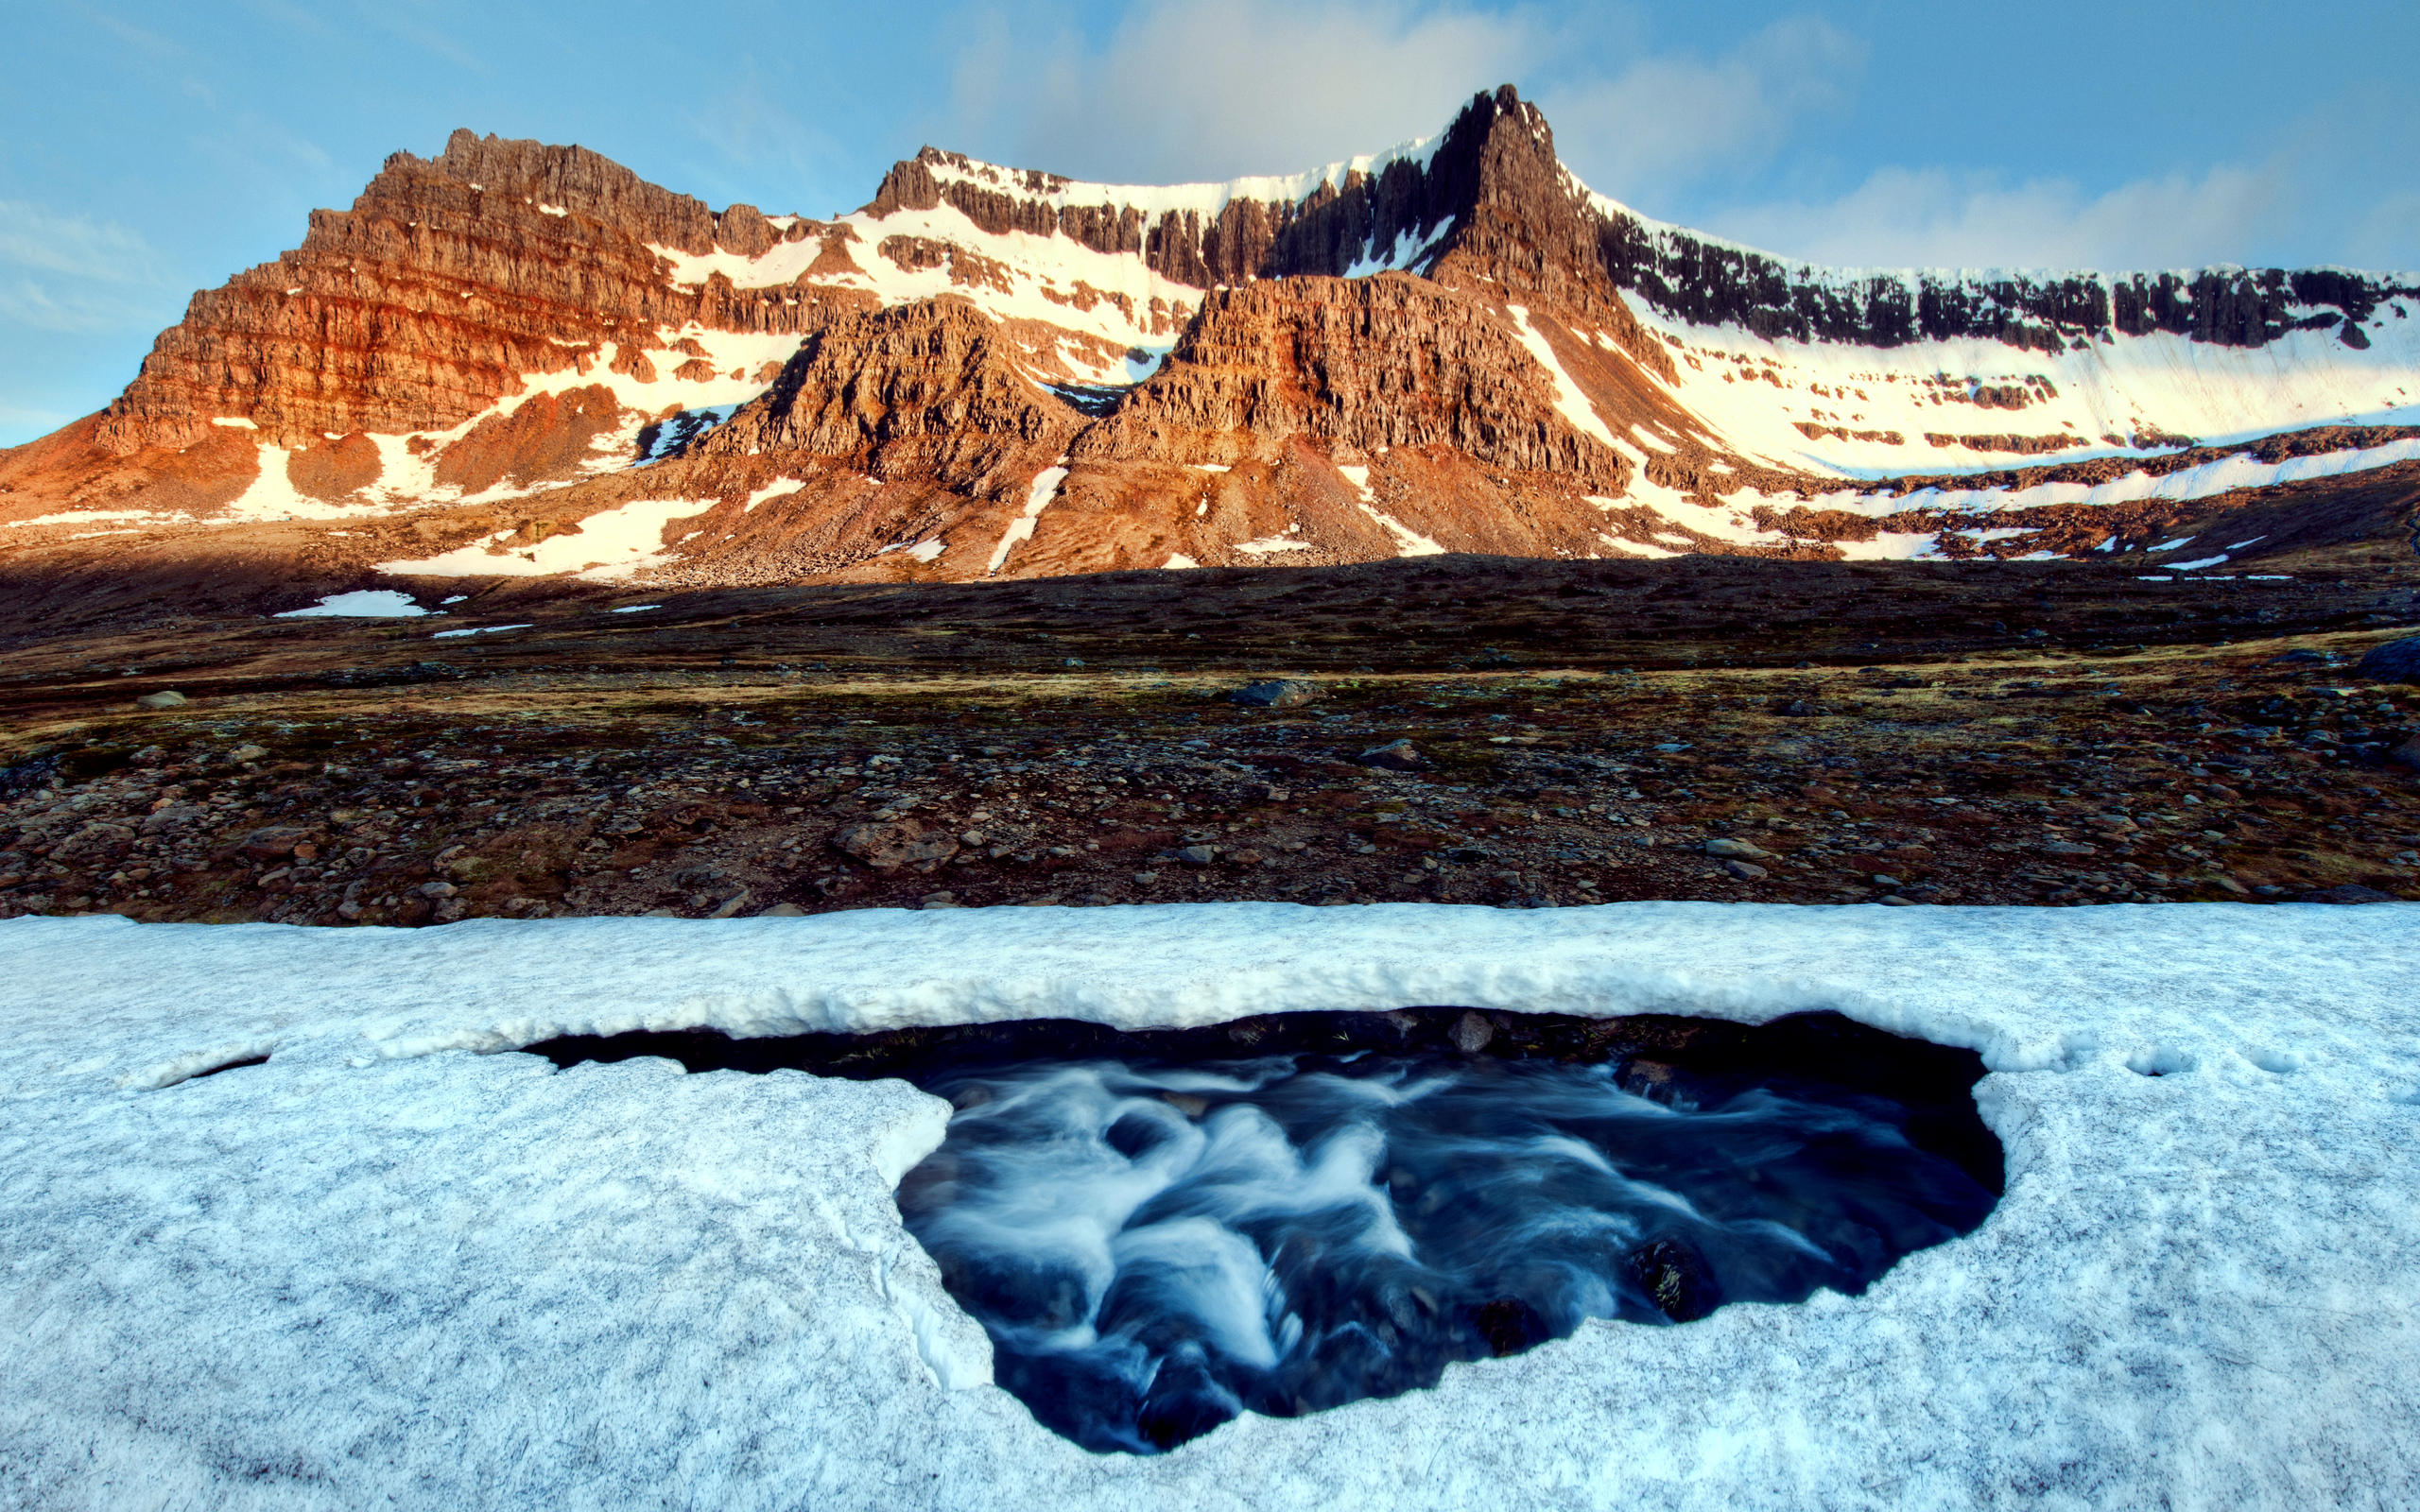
column 1162, row 1230
column 2159, row 1060
column 230, row 1065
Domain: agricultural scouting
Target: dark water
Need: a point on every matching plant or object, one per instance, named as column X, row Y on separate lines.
column 1161, row 1237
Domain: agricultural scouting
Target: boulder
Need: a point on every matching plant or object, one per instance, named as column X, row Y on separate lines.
column 272, row 841
column 2348, row 893
column 2392, row 661
column 1739, row 850
column 900, row 843
column 1395, row 756
column 1274, row 693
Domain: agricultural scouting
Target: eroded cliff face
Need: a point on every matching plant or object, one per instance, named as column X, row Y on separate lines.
column 523, row 358
column 447, row 282
column 1361, row 365
column 929, row 390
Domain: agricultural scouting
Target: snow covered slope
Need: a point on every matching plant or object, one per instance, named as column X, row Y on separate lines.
column 383, row 1267
column 517, row 326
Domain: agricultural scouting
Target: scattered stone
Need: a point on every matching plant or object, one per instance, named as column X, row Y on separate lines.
column 1146, row 878
column 1894, row 900
column 247, row 754
column 2230, row 884
column 2064, row 848
column 782, row 911
column 2394, row 662
column 887, row 847
column 938, row 900
column 1884, row 880
column 1395, row 756
column 2407, row 754
column 161, row 701
column 1745, row 871
column 731, row 904
column 1274, row 693
column 1197, row 855
column 438, row 889
column 1187, row 1103
column 1472, row 1032
column 1743, row 850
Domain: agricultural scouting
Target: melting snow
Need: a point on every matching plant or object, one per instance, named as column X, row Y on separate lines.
column 1037, row 498
column 577, row 1278
column 362, row 603
column 611, row 544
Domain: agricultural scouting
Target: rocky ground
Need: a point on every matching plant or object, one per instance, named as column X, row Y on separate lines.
column 931, row 755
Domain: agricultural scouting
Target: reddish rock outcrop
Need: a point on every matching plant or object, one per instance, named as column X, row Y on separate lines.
column 446, row 281
column 1363, row 363
column 927, row 390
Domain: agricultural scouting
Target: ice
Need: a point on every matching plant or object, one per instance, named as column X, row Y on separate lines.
column 1177, row 561
column 1409, row 543
column 2196, row 563
column 612, row 544
column 1569, row 399
column 1266, row 545
column 634, row 609
column 1037, row 498
column 362, row 603
column 385, row 1269
column 475, row 629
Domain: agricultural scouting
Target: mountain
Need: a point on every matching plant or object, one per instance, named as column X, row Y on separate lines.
column 522, row 360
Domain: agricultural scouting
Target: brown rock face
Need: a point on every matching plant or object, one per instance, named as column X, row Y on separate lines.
column 927, row 389
column 427, row 300
column 539, row 440
column 1390, row 361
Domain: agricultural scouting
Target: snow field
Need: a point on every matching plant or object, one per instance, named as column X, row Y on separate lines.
column 362, row 603
column 1037, row 498
column 385, row 1267
column 612, row 544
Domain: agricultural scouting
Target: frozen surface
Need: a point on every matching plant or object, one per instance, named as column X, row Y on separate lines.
column 362, row 603
column 379, row 1269
column 609, row 545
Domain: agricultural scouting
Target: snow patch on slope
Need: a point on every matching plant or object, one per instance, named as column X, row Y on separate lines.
column 1037, row 498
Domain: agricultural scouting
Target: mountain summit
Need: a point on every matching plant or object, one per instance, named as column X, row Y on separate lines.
column 516, row 359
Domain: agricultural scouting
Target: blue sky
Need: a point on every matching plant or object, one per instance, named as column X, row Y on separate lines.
column 146, row 150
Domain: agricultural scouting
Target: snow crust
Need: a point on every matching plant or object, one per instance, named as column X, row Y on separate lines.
column 611, row 546
column 1755, row 392
column 362, row 603
column 384, row 1268
column 1037, row 498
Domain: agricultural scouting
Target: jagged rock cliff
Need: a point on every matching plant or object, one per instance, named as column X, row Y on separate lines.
column 447, row 282
column 1450, row 346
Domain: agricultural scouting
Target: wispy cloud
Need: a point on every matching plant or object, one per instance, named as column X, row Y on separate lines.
column 1222, row 88
column 69, row 272
column 1931, row 217
column 1670, row 120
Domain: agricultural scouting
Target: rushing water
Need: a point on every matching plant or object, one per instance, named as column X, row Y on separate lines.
column 1158, row 1234
column 1157, row 1248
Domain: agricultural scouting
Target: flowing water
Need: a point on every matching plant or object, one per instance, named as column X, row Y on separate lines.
column 1161, row 1238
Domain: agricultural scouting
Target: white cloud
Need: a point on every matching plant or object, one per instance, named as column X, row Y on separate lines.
column 1670, row 121
column 1931, row 218
column 73, row 273
column 1222, row 88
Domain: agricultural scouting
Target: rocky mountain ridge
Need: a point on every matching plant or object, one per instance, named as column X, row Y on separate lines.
column 519, row 359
